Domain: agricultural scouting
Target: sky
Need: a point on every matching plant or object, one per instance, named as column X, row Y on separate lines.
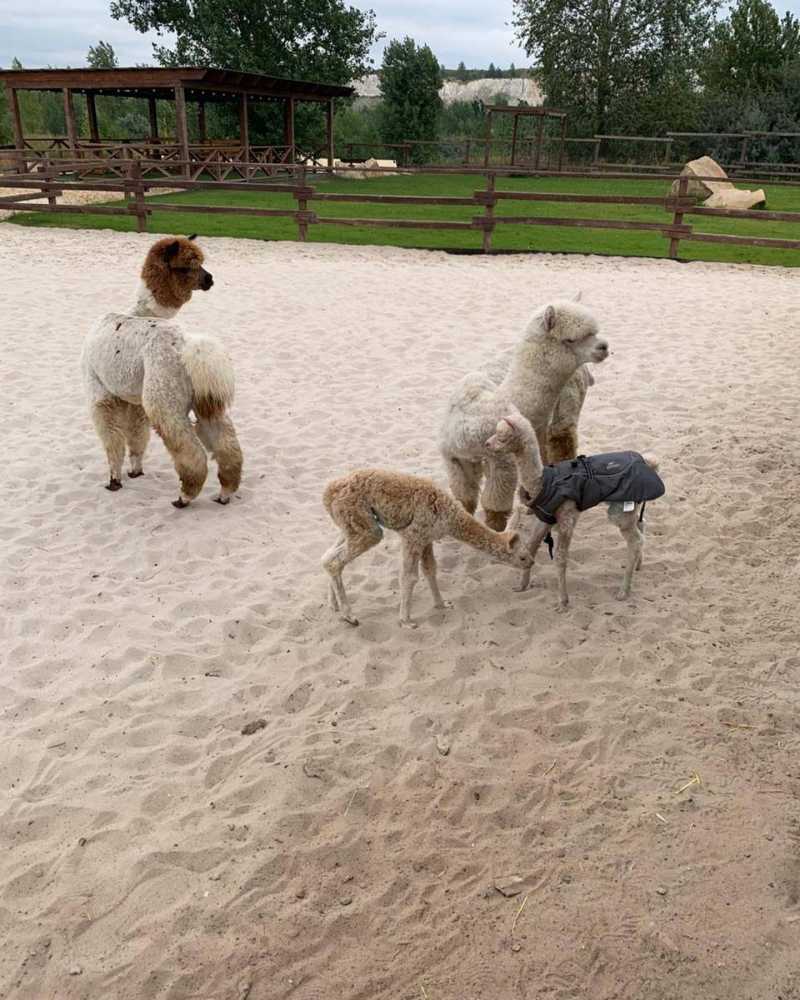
column 59, row 32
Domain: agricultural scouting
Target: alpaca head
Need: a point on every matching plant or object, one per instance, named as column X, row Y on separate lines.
column 517, row 550
column 512, row 434
column 570, row 331
column 173, row 269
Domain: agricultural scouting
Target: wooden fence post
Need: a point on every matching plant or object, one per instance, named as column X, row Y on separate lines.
column 137, row 186
column 683, row 185
column 49, row 174
column 466, row 152
column 302, row 206
column 488, row 222
column 596, row 160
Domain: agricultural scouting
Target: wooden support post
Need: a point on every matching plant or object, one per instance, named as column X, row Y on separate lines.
column 466, row 152
column 244, row 127
column 69, row 118
column 488, row 139
column 288, row 127
column 182, row 128
column 743, row 157
column 683, row 188
column 153, row 111
column 488, row 222
column 201, row 122
column 302, row 206
column 329, row 132
column 16, row 120
column 668, row 152
column 91, row 110
column 539, row 137
column 50, row 188
column 514, row 140
column 596, row 160
column 562, row 144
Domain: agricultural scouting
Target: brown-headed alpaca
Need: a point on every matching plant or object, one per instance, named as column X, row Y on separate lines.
column 363, row 503
column 514, row 436
column 140, row 370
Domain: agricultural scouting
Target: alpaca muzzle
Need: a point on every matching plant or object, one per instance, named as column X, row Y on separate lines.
column 206, row 281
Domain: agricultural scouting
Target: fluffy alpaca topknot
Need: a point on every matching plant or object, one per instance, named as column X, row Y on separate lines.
column 173, row 269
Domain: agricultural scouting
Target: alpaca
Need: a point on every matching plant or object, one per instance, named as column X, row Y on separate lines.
column 141, row 370
column 562, row 431
column 515, row 436
column 559, row 339
column 363, row 503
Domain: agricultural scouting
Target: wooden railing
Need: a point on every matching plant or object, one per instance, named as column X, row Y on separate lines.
column 134, row 181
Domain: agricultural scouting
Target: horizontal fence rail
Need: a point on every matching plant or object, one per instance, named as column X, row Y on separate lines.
column 40, row 190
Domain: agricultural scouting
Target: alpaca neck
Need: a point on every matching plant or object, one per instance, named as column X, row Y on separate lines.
column 147, row 305
column 529, row 468
column 536, row 377
column 465, row 528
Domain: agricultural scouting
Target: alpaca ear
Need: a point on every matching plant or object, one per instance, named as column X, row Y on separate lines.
column 171, row 250
column 577, row 297
column 493, row 443
column 549, row 319
column 194, row 237
column 514, row 541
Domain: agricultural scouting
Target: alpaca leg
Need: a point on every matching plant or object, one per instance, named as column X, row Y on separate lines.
column 634, row 539
column 567, row 519
column 219, row 436
column 539, row 534
column 346, row 549
column 429, row 569
column 137, row 434
column 562, row 444
column 109, row 422
column 464, row 479
column 409, row 573
column 187, row 454
column 498, row 490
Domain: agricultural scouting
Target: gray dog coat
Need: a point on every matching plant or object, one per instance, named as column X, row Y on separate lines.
column 614, row 477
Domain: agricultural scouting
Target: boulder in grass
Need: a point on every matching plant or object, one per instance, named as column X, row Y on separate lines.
column 736, row 198
column 703, row 167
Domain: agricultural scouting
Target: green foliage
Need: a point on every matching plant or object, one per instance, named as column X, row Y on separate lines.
column 102, row 56
column 410, row 82
column 315, row 40
column 751, row 51
column 6, row 128
column 461, row 73
column 601, row 58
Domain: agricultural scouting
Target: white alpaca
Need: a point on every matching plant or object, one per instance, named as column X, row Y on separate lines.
column 559, row 339
column 141, row 370
column 515, row 436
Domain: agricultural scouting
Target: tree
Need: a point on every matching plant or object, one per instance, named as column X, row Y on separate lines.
column 102, row 56
column 751, row 50
column 322, row 40
column 512, row 71
column 598, row 56
column 461, row 73
column 491, row 72
column 410, row 84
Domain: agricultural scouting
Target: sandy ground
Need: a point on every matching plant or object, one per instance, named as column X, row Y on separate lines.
column 151, row 850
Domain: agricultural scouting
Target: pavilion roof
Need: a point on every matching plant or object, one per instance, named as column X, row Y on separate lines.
column 199, row 83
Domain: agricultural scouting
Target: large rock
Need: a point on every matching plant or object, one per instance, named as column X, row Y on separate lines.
column 735, row 198
column 704, row 167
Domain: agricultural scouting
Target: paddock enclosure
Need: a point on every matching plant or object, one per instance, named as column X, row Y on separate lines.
column 213, row 788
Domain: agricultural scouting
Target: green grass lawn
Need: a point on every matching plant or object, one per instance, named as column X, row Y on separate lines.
column 550, row 239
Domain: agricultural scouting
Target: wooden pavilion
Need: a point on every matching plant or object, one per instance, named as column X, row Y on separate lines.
column 522, row 111
column 183, row 85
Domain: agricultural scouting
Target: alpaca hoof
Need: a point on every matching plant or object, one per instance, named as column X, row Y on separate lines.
column 444, row 606
column 350, row 620
column 135, row 473
column 562, row 607
column 408, row 623
column 520, row 588
column 223, row 501
column 114, row 485
column 622, row 595
column 180, row 503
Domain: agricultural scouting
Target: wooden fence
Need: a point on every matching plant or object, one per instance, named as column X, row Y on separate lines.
column 40, row 191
